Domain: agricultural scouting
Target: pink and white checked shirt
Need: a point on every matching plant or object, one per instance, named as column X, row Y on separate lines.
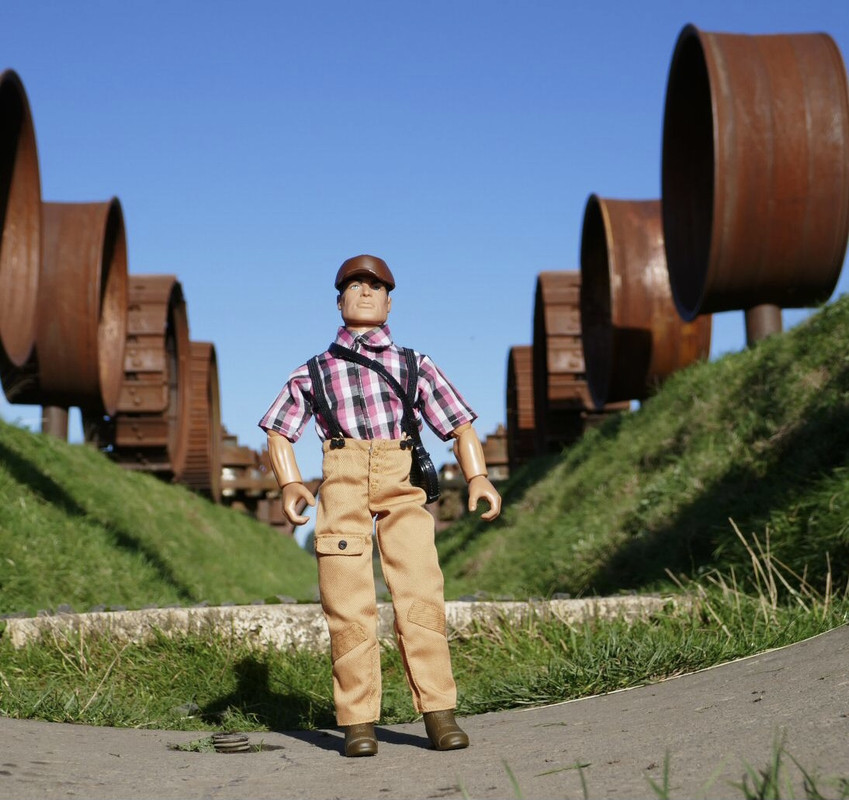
column 364, row 404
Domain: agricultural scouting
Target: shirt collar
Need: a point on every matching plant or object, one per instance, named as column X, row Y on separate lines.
column 373, row 339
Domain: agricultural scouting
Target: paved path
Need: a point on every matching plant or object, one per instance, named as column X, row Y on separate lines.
column 711, row 724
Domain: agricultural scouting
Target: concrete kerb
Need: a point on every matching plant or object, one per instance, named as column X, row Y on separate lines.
column 302, row 626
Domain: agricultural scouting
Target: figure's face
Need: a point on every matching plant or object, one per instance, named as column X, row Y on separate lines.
column 365, row 303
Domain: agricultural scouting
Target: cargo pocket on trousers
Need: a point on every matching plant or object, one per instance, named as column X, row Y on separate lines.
column 337, row 548
column 427, row 615
column 340, row 545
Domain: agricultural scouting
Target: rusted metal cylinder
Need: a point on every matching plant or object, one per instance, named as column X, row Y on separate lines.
column 632, row 335
column 54, row 421
column 150, row 430
column 202, row 471
column 521, row 442
column 762, row 321
column 560, row 387
column 20, row 222
column 755, row 170
column 81, row 311
column 82, row 307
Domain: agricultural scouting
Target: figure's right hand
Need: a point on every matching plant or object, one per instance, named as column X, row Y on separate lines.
column 296, row 497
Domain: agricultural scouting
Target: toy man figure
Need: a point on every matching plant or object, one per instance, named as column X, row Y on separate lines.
column 366, row 487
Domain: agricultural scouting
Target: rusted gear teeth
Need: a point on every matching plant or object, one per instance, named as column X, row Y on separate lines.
column 150, row 429
column 563, row 407
column 202, row 471
column 520, row 405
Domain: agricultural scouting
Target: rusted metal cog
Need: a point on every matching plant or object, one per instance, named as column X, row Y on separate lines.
column 563, row 407
column 150, row 429
column 560, row 386
column 520, row 405
column 202, row 471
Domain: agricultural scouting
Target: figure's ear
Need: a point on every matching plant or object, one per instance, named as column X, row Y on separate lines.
column 388, row 303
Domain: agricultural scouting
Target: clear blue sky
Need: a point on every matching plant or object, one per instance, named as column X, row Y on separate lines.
column 256, row 145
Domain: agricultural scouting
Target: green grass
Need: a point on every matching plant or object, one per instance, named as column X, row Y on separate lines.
column 78, row 530
column 759, row 437
column 214, row 681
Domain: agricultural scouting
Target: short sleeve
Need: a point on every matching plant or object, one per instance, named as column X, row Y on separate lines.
column 292, row 408
column 441, row 405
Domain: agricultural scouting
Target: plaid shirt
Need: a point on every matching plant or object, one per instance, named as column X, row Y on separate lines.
column 364, row 404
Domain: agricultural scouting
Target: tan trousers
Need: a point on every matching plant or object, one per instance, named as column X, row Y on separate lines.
column 364, row 483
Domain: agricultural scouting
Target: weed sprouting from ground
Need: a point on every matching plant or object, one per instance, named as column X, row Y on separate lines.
column 776, row 781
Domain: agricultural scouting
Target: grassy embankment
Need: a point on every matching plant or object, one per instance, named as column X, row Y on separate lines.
column 758, row 437
column 77, row 530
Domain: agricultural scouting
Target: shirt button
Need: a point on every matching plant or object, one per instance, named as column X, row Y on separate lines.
column 343, row 544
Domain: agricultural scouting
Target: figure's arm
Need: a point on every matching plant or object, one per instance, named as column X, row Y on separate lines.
column 469, row 454
column 285, row 468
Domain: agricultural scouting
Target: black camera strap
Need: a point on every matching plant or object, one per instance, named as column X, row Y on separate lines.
column 408, row 423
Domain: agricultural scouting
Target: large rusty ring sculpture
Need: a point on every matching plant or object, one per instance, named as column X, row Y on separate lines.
column 633, row 337
column 560, row 386
column 755, row 170
column 20, row 222
column 150, row 430
column 82, row 308
column 202, row 471
column 521, row 443
column 81, row 311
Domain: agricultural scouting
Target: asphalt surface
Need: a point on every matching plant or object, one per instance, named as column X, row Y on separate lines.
column 710, row 727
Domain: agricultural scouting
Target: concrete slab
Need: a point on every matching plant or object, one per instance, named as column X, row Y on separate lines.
column 303, row 626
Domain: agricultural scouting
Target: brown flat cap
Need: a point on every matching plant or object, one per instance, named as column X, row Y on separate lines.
column 365, row 265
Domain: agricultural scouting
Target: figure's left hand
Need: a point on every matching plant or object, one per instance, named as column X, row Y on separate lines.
column 481, row 488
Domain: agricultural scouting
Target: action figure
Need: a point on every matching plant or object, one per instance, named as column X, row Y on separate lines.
column 366, row 489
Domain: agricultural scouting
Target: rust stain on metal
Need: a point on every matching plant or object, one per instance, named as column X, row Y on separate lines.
column 632, row 334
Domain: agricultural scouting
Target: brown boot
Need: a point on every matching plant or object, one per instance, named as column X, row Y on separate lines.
column 443, row 731
column 360, row 740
